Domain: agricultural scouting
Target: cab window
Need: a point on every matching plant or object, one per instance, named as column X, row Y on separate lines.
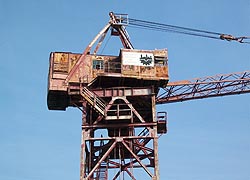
column 97, row 64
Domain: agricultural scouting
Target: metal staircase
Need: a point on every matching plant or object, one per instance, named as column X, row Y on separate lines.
column 101, row 173
column 145, row 132
column 96, row 102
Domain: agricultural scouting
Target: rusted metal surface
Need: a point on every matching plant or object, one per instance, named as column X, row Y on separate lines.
column 67, row 70
column 117, row 98
column 162, row 122
column 114, row 23
column 130, row 68
column 128, row 141
column 212, row 86
column 118, row 22
column 142, row 64
column 124, row 91
column 70, row 69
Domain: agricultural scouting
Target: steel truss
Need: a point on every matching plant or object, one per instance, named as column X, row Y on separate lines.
column 120, row 142
column 219, row 85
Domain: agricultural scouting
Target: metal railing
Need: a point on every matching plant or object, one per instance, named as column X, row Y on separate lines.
column 93, row 100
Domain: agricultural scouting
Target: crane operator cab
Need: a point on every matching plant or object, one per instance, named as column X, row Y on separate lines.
column 132, row 68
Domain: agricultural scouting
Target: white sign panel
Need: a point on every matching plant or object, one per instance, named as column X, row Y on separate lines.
column 138, row 59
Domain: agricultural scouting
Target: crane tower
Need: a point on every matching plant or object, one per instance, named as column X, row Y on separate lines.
column 117, row 96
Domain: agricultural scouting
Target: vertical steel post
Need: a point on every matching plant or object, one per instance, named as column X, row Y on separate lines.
column 155, row 142
column 84, row 136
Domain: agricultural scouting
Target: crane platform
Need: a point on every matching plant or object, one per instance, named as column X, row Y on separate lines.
column 132, row 68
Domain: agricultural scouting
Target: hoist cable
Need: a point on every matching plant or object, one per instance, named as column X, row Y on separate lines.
column 184, row 30
column 173, row 30
column 134, row 21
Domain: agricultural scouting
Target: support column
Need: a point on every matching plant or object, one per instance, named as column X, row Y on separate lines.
column 155, row 142
column 84, row 137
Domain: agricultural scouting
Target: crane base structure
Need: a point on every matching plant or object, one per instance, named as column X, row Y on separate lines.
column 128, row 133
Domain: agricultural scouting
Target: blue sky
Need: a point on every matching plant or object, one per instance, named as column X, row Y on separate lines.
column 207, row 139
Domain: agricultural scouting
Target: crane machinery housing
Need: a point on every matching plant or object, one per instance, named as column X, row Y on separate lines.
column 117, row 96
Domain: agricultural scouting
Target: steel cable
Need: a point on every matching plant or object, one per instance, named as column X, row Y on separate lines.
column 136, row 21
column 183, row 30
column 172, row 30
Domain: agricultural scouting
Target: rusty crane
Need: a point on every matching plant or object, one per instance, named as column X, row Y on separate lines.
column 117, row 96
